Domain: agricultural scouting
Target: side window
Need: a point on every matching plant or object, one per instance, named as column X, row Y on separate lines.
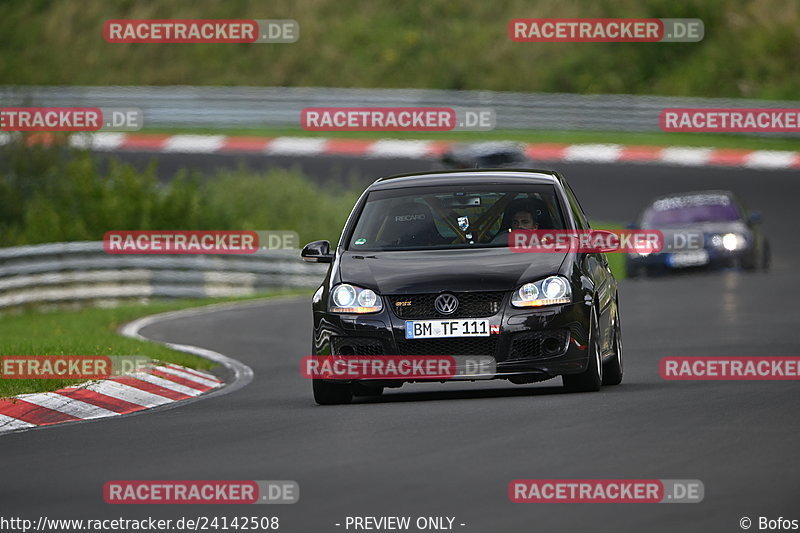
column 575, row 207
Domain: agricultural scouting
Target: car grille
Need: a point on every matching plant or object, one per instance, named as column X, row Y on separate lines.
column 357, row 345
column 470, row 305
column 531, row 344
column 454, row 346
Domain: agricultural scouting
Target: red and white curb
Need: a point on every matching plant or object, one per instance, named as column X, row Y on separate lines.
column 394, row 148
column 160, row 387
column 110, row 397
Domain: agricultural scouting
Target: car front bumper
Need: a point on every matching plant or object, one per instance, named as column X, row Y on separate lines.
column 716, row 259
column 531, row 345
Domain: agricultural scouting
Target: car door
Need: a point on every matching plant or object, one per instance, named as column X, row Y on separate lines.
column 597, row 267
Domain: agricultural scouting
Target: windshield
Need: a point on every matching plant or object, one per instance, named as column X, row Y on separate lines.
column 689, row 210
column 453, row 217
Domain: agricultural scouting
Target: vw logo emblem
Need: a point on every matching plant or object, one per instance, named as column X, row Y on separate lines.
column 446, row 304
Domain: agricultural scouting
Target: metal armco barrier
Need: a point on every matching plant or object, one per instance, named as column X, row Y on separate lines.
column 83, row 272
column 220, row 107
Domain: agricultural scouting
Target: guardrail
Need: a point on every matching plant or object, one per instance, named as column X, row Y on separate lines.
column 221, row 107
column 84, row 272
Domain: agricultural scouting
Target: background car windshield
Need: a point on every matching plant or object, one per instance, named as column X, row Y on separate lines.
column 451, row 217
column 689, row 210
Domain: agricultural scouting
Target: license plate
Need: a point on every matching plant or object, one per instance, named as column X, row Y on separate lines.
column 686, row 259
column 439, row 329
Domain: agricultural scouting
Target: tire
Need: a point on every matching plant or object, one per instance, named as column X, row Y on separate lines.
column 591, row 379
column 612, row 369
column 364, row 390
column 327, row 393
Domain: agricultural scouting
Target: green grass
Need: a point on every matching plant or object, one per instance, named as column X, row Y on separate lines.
column 90, row 331
column 616, row 260
column 732, row 141
column 617, row 264
column 750, row 49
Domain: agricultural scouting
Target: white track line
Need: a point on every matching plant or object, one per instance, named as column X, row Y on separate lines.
column 191, row 377
column 103, row 141
column 198, row 373
column 127, row 393
column 70, row 406
column 398, row 148
column 167, row 384
column 8, row 423
column 770, row 159
column 686, row 156
column 599, row 153
column 202, row 144
column 297, row 146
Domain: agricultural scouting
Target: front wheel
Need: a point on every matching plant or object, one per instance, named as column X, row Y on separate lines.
column 327, row 393
column 591, row 379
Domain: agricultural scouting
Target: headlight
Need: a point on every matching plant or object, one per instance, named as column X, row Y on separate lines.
column 728, row 241
column 549, row 291
column 350, row 299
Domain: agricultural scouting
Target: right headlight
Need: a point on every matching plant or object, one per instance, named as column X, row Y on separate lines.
column 549, row 291
column 346, row 298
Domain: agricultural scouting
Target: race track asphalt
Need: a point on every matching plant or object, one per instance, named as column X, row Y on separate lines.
column 452, row 449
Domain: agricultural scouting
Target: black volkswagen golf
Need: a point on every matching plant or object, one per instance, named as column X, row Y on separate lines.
column 420, row 251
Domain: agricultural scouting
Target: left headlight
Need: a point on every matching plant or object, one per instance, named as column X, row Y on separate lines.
column 347, row 298
column 729, row 241
column 549, row 291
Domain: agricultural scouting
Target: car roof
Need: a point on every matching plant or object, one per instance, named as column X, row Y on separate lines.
column 460, row 177
column 710, row 192
column 482, row 149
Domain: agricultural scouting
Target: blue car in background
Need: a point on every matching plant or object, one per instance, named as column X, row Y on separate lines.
column 702, row 230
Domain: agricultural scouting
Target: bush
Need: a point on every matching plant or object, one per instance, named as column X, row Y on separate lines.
column 54, row 194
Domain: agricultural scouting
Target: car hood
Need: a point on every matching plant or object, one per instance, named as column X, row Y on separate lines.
column 488, row 269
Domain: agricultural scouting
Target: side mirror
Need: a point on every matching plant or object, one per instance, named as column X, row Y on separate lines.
column 606, row 236
column 756, row 217
column 317, row 252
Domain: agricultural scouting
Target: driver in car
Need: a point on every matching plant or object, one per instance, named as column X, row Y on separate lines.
column 524, row 220
column 519, row 215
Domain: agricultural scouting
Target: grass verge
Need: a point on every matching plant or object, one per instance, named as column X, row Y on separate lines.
column 749, row 49
column 92, row 331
